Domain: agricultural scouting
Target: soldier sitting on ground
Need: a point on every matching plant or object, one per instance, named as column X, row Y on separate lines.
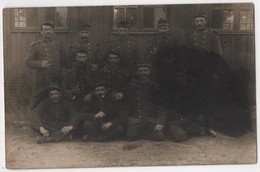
column 146, row 117
column 101, row 119
column 57, row 117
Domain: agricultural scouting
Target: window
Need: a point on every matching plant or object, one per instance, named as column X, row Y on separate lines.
column 26, row 18
column 140, row 18
column 246, row 20
column 31, row 18
column 232, row 17
column 222, row 19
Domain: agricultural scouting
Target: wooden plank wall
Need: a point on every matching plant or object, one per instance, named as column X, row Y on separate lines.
column 238, row 49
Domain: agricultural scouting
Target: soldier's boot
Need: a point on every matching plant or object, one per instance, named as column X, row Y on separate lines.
column 212, row 133
column 45, row 140
column 88, row 138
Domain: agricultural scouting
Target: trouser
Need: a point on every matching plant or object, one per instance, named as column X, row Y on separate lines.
column 142, row 129
column 54, row 135
column 93, row 128
column 182, row 129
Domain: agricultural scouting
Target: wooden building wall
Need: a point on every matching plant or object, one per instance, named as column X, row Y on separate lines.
column 238, row 48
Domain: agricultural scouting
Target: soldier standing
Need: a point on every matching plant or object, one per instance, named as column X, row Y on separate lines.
column 126, row 46
column 85, row 43
column 146, row 118
column 160, row 40
column 47, row 57
column 203, row 38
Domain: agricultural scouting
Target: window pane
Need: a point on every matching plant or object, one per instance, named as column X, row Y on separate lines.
column 131, row 17
column 61, row 17
column 148, row 17
column 246, row 20
column 228, row 20
column 159, row 13
column 119, row 15
column 33, row 17
column 217, row 17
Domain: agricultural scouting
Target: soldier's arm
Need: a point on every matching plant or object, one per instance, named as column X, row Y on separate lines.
column 31, row 59
column 64, row 57
column 216, row 45
column 86, row 112
column 74, row 115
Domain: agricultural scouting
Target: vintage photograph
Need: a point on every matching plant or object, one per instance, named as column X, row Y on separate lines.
column 129, row 85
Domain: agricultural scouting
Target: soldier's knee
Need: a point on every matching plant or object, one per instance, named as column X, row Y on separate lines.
column 87, row 124
column 157, row 136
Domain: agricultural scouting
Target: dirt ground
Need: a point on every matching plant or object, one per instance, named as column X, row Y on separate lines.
column 23, row 152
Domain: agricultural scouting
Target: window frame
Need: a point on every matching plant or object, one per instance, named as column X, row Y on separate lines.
column 140, row 18
column 41, row 20
column 236, row 27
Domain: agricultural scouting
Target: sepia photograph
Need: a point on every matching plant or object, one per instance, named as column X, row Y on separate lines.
column 129, row 85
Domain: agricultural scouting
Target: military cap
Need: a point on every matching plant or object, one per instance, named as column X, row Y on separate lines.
column 80, row 50
column 100, row 83
column 114, row 52
column 123, row 24
column 54, row 86
column 200, row 14
column 84, row 27
column 163, row 22
column 47, row 24
column 143, row 63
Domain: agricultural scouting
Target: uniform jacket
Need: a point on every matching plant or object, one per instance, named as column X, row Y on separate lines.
column 127, row 48
column 205, row 40
column 92, row 48
column 144, row 101
column 116, row 78
column 106, row 105
column 156, row 43
column 53, row 116
column 80, row 75
column 53, row 51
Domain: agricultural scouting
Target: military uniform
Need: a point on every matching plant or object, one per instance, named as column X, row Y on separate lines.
column 53, row 116
column 54, row 52
column 92, row 126
column 145, row 112
column 126, row 46
column 93, row 50
column 205, row 40
column 116, row 78
column 81, row 76
column 156, row 44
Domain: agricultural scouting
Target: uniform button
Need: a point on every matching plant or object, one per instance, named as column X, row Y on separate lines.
column 203, row 47
column 109, row 76
column 139, row 110
column 139, row 116
column 195, row 44
column 203, row 41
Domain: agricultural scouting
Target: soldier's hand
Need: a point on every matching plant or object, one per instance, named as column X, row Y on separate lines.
column 44, row 132
column 93, row 67
column 76, row 90
column 66, row 129
column 106, row 126
column 88, row 97
column 158, row 127
column 45, row 64
column 99, row 115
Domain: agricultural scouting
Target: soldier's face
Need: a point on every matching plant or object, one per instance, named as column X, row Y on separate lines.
column 47, row 32
column 55, row 95
column 143, row 73
column 113, row 59
column 200, row 22
column 84, row 34
column 100, row 92
column 163, row 29
column 81, row 57
column 123, row 30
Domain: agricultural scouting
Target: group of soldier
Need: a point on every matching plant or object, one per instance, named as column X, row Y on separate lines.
column 108, row 95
